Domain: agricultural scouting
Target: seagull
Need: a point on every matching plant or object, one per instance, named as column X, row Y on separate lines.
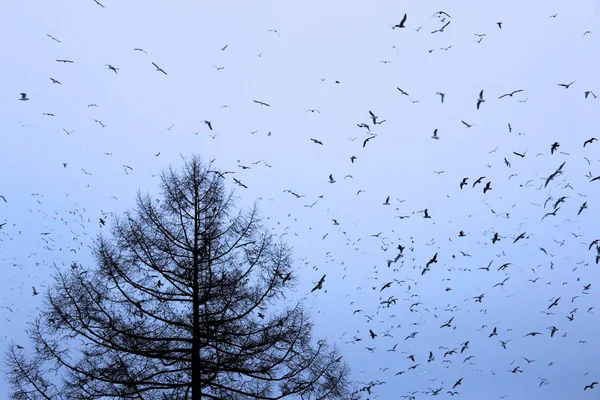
column 401, row 24
column 589, row 141
column 511, row 93
column 588, row 92
column 499, row 23
column 55, row 81
column 402, row 91
column 435, row 135
column 209, row 124
column 566, row 86
column 52, row 37
column 159, row 68
column 112, row 68
column 439, row 13
column 441, row 95
column 467, row 125
column 261, row 103
column 442, row 28
column 319, row 285
column 590, row 386
column 24, row 97
column 66, row 61
column 331, row 180
column 142, row 50
column 480, row 99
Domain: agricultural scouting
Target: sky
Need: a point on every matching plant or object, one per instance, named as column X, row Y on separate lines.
column 112, row 132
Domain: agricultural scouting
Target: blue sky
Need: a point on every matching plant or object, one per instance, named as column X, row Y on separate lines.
column 295, row 68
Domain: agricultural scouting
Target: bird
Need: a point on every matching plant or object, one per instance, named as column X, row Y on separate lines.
column 435, row 134
column 319, row 284
column 402, row 91
column 261, row 103
column 65, row 61
column 142, row 50
column 55, row 81
column 466, row 124
column 589, row 141
column 366, row 140
column 387, row 201
column 511, row 93
column 463, row 182
column 112, row 68
column 23, row 97
column 590, row 386
column 34, row 291
column 554, row 147
column 566, row 85
column 588, row 92
column 159, row 68
column 480, row 99
column 401, row 24
column 317, row 141
column 442, row 28
column 487, row 187
column 442, row 95
column 583, row 207
column 209, row 124
column 373, row 117
column 331, row 180
column 52, row 37
column 499, row 23
column 373, row 334
column 458, row 382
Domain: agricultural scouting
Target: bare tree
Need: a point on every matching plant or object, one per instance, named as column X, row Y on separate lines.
column 186, row 302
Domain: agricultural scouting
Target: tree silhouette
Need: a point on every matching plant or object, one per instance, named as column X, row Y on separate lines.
column 186, row 302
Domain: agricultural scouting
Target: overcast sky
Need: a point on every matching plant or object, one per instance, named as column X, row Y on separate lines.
column 111, row 133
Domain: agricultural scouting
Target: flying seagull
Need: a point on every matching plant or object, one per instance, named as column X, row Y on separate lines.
column 159, row 68
column 142, row 50
column 442, row 28
column 52, row 37
column 565, row 85
column 480, row 99
column 435, row 135
column 261, row 103
column 24, row 97
column 112, row 68
column 401, row 24
column 511, row 93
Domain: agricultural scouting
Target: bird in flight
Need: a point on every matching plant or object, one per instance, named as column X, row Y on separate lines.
column 590, row 386
column 435, row 135
column 66, row 61
column 466, row 124
column 52, row 37
column 480, row 99
column 566, row 85
column 112, row 68
column 511, row 93
column 319, row 284
column 159, row 68
column 442, row 28
column 442, row 95
column 318, row 142
column 24, row 97
column 209, row 124
column 261, row 103
column 589, row 141
column 142, row 50
column 401, row 24
column 588, row 92
column 55, row 81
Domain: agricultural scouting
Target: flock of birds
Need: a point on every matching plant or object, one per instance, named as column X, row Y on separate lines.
column 396, row 308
